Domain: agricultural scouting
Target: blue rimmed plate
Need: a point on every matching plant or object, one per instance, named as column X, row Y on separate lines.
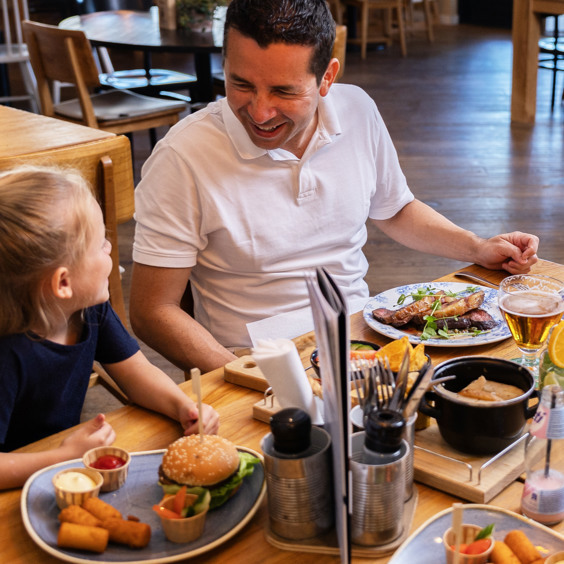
column 137, row 497
column 389, row 300
column 425, row 545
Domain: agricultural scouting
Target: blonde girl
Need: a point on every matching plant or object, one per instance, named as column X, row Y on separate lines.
column 56, row 320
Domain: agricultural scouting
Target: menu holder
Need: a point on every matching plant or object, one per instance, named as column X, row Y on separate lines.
column 331, row 321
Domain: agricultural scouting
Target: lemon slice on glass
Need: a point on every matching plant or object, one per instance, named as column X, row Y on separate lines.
column 556, row 345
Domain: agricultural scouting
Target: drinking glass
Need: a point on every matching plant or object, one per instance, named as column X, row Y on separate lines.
column 531, row 305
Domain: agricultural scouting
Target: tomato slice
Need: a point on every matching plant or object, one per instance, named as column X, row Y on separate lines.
column 166, row 513
column 479, row 546
column 363, row 354
column 179, row 500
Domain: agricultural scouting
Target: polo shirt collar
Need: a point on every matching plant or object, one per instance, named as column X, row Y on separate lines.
column 328, row 126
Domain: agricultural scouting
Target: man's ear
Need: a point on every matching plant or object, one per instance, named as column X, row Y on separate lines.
column 329, row 76
column 61, row 283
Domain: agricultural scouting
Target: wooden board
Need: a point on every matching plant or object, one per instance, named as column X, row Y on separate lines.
column 264, row 409
column 453, row 476
column 244, row 372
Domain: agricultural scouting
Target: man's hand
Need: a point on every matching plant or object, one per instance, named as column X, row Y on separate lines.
column 514, row 252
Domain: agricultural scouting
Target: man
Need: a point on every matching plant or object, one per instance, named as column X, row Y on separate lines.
column 280, row 177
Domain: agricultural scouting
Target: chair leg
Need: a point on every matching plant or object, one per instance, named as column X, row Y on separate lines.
column 364, row 30
column 428, row 20
column 401, row 30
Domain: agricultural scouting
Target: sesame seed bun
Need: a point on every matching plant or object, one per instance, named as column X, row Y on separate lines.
column 195, row 462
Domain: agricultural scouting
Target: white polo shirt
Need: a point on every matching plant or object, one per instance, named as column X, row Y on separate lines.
column 251, row 221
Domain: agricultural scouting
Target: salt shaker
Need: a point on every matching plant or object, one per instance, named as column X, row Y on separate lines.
column 383, row 437
column 543, row 493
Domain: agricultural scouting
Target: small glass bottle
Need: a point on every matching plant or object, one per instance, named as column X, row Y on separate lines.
column 543, row 493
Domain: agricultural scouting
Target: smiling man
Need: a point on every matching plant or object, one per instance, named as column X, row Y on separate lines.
column 279, row 177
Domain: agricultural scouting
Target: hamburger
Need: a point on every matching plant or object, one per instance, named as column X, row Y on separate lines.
column 205, row 462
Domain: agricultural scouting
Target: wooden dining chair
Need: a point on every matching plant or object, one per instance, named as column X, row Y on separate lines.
column 13, row 50
column 393, row 17
column 66, row 56
column 430, row 11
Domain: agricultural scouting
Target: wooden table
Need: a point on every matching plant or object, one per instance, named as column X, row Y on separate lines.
column 139, row 430
column 103, row 158
column 139, row 31
column 527, row 15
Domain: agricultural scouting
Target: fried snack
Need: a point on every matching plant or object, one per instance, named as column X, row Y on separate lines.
column 502, row 554
column 100, row 509
column 131, row 533
column 523, row 548
column 82, row 537
column 79, row 516
column 395, row 352
column 417, row 358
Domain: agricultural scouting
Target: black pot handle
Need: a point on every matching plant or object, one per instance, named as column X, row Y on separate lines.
column 428, row 409
column 530, row 410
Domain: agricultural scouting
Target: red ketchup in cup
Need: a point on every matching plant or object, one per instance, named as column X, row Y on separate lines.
column 108, row 462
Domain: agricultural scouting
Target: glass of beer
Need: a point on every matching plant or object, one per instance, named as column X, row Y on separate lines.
column 532, row 305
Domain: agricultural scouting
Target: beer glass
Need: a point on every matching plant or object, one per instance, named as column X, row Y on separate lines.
column 531, row 305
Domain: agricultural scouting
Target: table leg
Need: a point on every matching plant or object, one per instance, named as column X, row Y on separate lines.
column 526, row 34
column 204, row 87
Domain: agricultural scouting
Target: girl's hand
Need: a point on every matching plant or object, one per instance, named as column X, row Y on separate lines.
column 94, row 433
column 189, row 419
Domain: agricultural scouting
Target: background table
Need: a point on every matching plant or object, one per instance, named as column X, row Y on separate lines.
column 140, row 31
column 527, row 16
column 138, row 430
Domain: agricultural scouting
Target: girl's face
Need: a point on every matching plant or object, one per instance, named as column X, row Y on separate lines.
column 89, row 277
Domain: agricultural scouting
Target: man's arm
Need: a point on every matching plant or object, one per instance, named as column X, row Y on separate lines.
column 158, row 320
column 420, row 227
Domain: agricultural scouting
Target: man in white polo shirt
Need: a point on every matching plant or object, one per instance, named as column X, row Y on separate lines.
column 277, row 178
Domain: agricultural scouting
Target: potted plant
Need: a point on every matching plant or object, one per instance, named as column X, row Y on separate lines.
column 197, row 14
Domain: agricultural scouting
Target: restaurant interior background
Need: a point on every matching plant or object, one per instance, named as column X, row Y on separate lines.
column 447, row 106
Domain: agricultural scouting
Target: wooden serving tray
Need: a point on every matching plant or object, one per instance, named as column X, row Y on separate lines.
column 471, row 477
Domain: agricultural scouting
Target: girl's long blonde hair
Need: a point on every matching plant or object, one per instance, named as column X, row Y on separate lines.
column 44, row 224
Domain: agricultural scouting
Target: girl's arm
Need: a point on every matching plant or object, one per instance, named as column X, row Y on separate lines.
column 148, row 386
column 17, row 467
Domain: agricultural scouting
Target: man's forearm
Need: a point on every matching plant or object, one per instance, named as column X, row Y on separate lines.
column 181, row 339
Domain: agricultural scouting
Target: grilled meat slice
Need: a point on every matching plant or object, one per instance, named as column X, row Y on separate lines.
column 399, row 317
column 476, row 319
column 420, row 308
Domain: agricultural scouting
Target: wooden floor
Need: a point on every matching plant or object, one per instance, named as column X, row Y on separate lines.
column 447, row 106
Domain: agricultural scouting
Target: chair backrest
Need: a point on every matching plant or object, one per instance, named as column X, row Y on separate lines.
column 13, row 12
column 64, row 55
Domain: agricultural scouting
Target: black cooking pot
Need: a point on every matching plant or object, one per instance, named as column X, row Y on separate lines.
column 480, row 427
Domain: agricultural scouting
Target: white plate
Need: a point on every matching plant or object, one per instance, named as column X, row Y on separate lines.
column 425, row 544
column 389, row 300
column 137, row 497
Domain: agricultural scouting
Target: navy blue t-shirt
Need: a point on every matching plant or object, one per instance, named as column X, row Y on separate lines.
column 43, row 384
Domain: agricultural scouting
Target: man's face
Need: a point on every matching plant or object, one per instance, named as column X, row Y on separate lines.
column 273, row 92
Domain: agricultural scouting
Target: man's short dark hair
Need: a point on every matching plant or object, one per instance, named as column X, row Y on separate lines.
column 294, row 22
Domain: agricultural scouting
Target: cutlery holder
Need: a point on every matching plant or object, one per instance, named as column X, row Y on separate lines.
column 300, row 490
column 378, row 495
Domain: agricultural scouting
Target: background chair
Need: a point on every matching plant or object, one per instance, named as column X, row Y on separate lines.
column 158, row 81
column 66, row 56
column 14, row 50
column 393, row 11
column 552, row 56
column 430, row 10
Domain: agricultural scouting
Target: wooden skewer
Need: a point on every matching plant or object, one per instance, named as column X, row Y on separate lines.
column 457, row 528
column 196, row 386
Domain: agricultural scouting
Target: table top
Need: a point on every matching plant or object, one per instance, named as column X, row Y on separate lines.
column 139, row 30
column 25, row 132
column 140, row 430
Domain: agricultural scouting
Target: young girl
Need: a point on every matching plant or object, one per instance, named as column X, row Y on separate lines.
column 55, row 320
